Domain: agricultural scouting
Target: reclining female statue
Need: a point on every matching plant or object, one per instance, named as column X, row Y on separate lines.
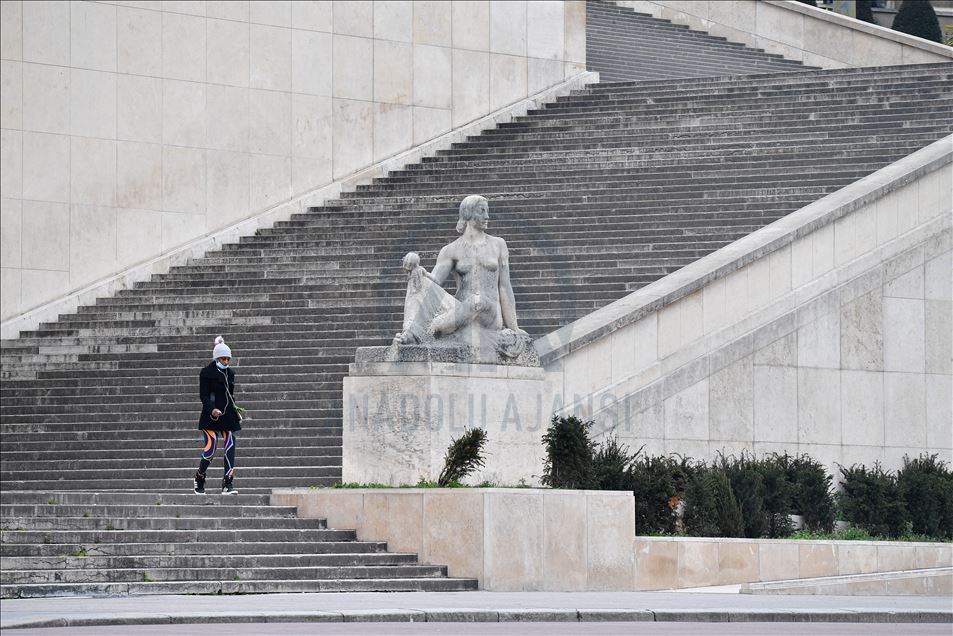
column 482, row 315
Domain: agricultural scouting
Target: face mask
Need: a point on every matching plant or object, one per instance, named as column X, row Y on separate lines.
column 220, row 365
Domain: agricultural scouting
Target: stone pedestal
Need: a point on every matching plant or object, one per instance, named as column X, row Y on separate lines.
column 400, row 417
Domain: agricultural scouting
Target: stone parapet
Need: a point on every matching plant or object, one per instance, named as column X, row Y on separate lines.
column 663, row 563
column 511, row 539
column 821, row 333
column 798, row 32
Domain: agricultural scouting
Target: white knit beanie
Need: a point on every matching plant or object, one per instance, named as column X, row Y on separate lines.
column 221, row 349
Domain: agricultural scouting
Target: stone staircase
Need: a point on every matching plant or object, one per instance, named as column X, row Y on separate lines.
column 83, row 543
column 624, row 45
column 597, row 194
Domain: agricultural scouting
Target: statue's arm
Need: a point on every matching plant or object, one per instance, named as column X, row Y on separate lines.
column 443, row 267
column 507, row 299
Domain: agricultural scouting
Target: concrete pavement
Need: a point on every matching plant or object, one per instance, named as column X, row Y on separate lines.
column 471, row 607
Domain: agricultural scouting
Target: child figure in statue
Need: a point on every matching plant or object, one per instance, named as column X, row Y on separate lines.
column 482, row 315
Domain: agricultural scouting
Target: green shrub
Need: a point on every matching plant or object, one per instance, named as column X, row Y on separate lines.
column 610, row 466
column 747, row 485
column 917, row 17
column 926, row 487
column 569, row 453
column 871, row 500
column 778, row 497
column 711, row 509
column 659, row 485
column 464, row 456
column 811, row 495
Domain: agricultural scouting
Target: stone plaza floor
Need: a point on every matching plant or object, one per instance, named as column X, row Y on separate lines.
column 474, row 607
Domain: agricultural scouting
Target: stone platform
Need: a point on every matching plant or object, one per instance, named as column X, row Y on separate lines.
column 400, row 417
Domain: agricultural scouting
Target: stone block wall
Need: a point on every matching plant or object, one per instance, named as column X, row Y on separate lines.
column 827, row 332
column 510, row 539
column 128, row 129
column 663, row 563
column 798, row 32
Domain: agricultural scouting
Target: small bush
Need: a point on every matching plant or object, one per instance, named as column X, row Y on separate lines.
column 711, row 509
column 464, row 456
column 610, row 466
column 659, row 485
column 926, row 488
column 811, row 495
column 871, row 500
column 917, row 17
column 778, row 497
column 569, row 453
column 747, row 484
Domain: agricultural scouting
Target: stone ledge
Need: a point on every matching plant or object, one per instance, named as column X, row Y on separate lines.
column 663, row 563
column 929, row 582
column 730, row 258
column 865, row 27
column 87, row 295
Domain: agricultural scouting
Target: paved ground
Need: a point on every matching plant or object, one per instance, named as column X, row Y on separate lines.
column 499, row 629
column 484, row 607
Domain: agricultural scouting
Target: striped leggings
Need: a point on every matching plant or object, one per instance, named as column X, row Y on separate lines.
column 210, row 438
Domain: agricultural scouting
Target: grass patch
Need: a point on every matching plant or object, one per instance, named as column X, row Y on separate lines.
column 424, row 483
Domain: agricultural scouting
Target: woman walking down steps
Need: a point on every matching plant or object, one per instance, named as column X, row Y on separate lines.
column 219, row 416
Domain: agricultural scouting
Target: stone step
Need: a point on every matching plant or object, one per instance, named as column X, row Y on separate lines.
column 136, row 575
column 210, row 561
column 264, row 434
column 441, row 584
column 252, row 449
column 42, row 465
column 200, row 524
column 183, row 484
column 17, row 535
column 143, row 509
column 292, row 549
column 119, row 498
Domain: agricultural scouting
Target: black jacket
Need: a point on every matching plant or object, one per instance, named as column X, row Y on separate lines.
column 214, row 396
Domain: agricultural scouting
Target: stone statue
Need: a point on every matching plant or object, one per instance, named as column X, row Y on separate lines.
column 480, row 321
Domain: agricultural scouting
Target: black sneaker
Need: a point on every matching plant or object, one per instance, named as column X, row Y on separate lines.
column 228, row 488
column 198, row 484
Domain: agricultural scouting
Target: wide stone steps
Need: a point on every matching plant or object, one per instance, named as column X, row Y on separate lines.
column 82, row 543
column 622, row 44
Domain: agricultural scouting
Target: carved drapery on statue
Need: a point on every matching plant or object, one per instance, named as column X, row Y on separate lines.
column 478, row 324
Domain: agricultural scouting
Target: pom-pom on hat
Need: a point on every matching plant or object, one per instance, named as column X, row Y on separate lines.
column 221, row 349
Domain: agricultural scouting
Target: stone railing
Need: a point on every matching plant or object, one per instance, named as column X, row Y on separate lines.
column 798, row 32
column 809, row 335
column 664, row 563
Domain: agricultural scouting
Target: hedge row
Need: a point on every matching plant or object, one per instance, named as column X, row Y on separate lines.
column 748, row 496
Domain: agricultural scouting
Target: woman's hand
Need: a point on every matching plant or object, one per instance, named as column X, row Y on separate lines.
column 216, row 413
column 411, row 261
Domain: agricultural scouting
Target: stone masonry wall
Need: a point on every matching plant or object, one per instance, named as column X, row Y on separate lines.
column 837, row 344
column 131, row 128
column 797, row 31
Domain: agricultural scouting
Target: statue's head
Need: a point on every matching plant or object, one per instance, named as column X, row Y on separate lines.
column 470, row 208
